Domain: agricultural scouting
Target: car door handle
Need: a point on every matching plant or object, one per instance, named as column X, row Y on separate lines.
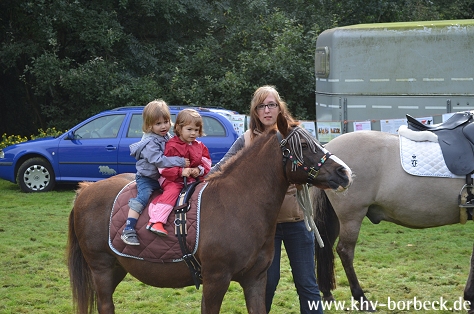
column 110, row 147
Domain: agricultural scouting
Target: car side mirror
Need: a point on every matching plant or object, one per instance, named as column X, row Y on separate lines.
column 70, row 135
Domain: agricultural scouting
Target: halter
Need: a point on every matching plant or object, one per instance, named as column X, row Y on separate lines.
column 298, row 163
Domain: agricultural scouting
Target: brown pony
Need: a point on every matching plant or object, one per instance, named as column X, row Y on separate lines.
column 238, row 220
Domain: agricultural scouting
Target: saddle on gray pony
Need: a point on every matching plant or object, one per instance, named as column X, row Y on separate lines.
column 456, row 139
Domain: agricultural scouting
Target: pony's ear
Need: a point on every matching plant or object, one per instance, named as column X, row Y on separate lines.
column 282, row 124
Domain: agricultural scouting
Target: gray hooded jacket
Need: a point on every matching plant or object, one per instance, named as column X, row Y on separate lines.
column 149, row 153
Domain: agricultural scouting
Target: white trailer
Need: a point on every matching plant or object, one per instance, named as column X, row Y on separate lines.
column 376, row 72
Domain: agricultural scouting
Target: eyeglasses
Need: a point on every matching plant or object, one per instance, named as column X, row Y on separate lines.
column 271, row 105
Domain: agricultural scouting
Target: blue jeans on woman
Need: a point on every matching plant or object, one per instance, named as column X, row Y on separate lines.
column 145, row 187
column 299, row 246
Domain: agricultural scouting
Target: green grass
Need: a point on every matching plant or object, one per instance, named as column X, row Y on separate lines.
column 391, row 261
column 403, row 264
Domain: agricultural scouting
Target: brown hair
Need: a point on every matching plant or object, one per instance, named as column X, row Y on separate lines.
column 185, row 117
column 284, row 119
column 154, row 111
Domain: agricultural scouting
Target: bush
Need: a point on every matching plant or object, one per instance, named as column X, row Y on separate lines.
column 8, row 140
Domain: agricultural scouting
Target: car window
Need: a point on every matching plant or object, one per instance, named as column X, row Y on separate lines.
column 212, row 127
column 135, row 127
column 102, row 127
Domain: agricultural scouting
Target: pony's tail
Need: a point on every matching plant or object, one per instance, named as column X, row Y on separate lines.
column 328, row 225
column 80, row 277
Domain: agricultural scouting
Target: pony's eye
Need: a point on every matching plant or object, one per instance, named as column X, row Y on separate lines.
column 304, row 145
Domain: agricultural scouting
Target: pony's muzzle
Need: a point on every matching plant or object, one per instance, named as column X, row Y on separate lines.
column 343, row 172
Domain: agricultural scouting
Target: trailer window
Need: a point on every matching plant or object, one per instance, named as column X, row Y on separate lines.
column 321, row 61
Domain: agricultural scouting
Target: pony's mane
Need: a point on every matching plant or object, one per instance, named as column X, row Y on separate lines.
column 248, row 152
column 296, row 146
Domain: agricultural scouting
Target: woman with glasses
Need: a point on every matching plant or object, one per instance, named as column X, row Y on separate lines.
column 266, row 110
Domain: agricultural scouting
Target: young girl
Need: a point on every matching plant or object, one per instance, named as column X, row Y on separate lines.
column 188, row 126
column 149, row 153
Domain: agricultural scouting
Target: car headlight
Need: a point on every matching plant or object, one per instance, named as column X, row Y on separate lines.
column 2, row 154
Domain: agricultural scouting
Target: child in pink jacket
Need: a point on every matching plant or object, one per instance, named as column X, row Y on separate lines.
column 187, row 128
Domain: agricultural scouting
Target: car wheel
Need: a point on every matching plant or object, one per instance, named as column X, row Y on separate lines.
column 35, row 175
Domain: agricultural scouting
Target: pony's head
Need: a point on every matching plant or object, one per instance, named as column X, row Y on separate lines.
column 307, row 161
column 301, row 157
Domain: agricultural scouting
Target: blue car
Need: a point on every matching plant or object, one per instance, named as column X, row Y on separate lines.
column 97, row 148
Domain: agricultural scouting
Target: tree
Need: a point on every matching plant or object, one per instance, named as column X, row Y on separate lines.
column 63, row 61
column 250, row 44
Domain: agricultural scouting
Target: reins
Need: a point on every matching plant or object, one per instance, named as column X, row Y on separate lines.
column 304, row 201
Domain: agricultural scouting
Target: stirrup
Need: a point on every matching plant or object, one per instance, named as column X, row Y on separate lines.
column 466, row 202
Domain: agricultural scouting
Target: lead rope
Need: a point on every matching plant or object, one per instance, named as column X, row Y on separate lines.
column 304, row 201
column 302, row 194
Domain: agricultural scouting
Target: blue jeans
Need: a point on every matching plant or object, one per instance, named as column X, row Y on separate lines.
column 145, row 187
column 299, row 246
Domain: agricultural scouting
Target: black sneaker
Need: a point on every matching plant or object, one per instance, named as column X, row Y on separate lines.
column 130, row 237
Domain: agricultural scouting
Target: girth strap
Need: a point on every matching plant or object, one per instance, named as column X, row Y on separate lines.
column 181, row 232
column 181, row 208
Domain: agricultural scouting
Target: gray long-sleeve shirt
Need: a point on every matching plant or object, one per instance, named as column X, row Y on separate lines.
column 149, row 153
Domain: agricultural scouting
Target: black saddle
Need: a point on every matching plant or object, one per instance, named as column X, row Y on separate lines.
column 456, row 139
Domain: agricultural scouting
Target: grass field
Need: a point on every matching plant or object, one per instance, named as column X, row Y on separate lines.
column 391, row 262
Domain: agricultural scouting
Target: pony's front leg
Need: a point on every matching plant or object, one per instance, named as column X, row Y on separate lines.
column 214, row 288
column 254, row 291
column 469, row 289
column 348, row 235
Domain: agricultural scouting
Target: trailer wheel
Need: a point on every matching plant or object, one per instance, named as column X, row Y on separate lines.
column 36, row 175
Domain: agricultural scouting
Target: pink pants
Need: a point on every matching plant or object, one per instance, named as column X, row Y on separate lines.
column 162, row 205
